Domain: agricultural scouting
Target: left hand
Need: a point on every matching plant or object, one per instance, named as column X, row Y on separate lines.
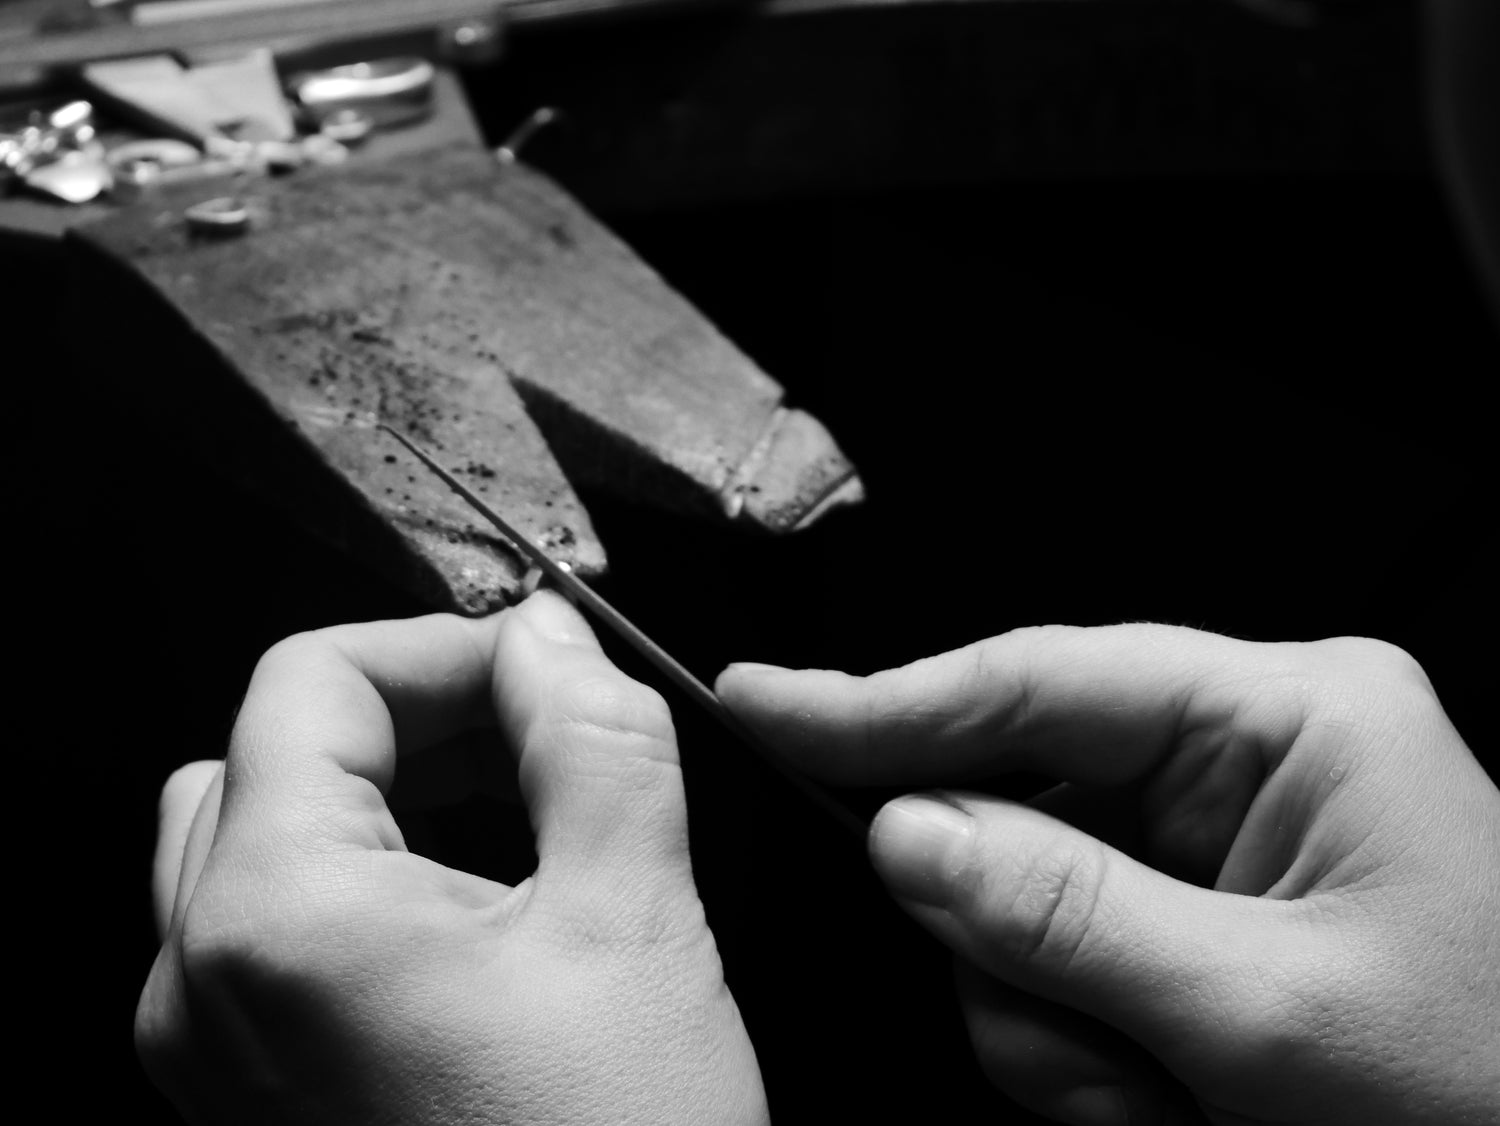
column 314, row 971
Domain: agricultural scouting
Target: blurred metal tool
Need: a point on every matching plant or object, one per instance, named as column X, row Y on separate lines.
column 389, row 92
column 139, row 167
column 234, row 119
column 77, row 176
column 165, row 152
column 302, row 33
column 583, row 594
column 57, row 154
column 348, row 126
column 223, row 217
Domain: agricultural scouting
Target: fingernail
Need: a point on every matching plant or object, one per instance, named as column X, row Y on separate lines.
column 753, row 667
column 918, row 846
column 555, row 619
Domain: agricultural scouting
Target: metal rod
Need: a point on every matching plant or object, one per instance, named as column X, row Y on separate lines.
column 571, row 585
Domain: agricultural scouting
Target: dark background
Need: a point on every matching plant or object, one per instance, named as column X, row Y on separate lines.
column 1249, row 404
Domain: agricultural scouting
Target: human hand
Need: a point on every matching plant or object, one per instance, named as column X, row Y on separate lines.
column 314, row 971
column 1268, row 890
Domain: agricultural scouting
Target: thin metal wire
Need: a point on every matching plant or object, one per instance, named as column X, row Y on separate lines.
column 628, row 632
column 510, row 151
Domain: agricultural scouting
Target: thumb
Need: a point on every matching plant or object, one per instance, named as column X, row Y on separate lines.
column 1055, row 912
column 598, row 762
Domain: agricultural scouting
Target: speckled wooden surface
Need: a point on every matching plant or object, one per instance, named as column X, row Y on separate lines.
column 422, row 293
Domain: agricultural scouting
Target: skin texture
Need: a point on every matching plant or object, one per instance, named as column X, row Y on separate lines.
column 1266, row 890
column 314, row 970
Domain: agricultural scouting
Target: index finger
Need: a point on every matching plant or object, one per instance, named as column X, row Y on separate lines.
column 1099, row 706
column 328, row 712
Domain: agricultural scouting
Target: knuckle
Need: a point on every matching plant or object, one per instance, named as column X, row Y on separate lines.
column 1358, row 675
column 1029, row 646
column 984, row 671
column 290, row 650
column 1053, row 906
column 654, row 928
column 161, row 1036
column 616, row 705
column 214, row 952
column 233, row 959
column 190, row 991
column 1292, row 1029
column 295, row 655
column 272, row 936
column 1374, row 659
column 1012, row 660
column 1300, row 1011
column 1038, row 637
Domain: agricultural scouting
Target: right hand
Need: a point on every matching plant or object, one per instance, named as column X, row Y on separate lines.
column 1268, row 892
